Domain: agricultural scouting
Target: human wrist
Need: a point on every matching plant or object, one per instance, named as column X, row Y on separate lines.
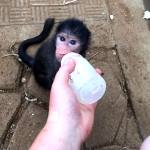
column 62, row 137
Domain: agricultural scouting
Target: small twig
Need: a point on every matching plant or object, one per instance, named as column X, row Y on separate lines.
column 12, row 47
column 63, row 4
column 2, row 90
column 29, row 99
column 69, row 2
column 10, row 55
column 93, row 55
column 12, row 50
column 16, row 55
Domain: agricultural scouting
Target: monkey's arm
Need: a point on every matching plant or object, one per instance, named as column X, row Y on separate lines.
column 45, row 64
column 28, row 60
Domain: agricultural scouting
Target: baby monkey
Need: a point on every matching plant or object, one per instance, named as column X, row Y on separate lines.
column 71, row 35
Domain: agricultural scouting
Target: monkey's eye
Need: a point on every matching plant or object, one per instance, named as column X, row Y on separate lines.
column 73, row 42
column 62, row 38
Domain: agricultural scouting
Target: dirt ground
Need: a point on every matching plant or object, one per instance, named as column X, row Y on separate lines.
column 120, row 47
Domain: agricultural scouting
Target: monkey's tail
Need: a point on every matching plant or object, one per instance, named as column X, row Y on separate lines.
column 22, row 52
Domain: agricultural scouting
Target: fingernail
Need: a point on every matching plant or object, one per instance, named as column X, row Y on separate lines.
column 102, row 73
column 68, row 61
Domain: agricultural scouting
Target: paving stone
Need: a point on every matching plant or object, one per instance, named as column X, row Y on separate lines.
column 17, row 33
column 110, row 148
column 128, row 132
column 97, row 18
column 28, row 127
column 9, row 102
column 116, row 148
column 94, row 13
column 9, row 72
column 101, row 35
column 130, row 34
column 111, row 108
column 121, row 135
column 35, row 90
column 132, row 37
column 29, row 12
column 98, row 55
column 132, row 135
column 146, row 4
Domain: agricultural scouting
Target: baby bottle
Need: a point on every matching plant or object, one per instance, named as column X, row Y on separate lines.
column 87, row 84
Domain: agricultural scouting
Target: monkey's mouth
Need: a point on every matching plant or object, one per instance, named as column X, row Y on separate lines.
column 59, row 56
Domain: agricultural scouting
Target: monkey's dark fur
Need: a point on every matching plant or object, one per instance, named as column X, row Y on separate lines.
column 45, row 65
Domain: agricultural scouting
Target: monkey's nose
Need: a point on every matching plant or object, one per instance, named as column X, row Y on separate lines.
column 63, row 50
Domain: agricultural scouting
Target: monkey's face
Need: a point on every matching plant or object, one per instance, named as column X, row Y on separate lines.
column 66, row 43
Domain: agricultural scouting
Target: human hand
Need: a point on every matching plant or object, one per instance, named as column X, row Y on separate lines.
column 69, row 122
column 146, row 144
column 65, row 110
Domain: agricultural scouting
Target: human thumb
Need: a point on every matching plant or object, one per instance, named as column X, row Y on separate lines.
column 64, row 72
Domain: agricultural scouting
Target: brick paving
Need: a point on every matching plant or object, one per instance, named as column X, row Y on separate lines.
column 121, row 46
